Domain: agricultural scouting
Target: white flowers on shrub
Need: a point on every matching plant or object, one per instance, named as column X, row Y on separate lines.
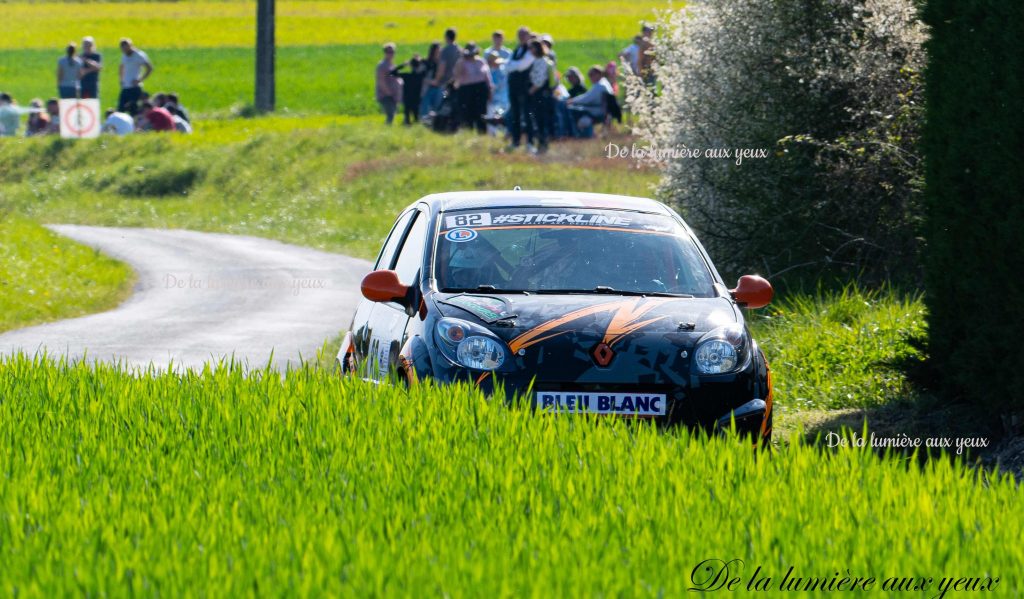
column 831, row 89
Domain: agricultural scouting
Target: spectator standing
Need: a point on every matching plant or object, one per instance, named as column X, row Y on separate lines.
column 498, row 46
column 118, row 123
column 69, row 72
column 645, row 63
column 157, row 117
column 135, row 68
column 549, row 48
column 518, row 84
column 92, row 62
column 472, row 78
column 389, row 87
column 631, row 54
column 499, row 84
column 549, row 52
column 542, row 81
column 449, row 57
column 412, row 87
column 431, row 92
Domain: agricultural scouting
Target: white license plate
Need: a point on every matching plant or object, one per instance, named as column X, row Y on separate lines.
column 601, row 402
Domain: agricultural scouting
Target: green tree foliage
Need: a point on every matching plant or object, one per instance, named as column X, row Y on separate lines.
column 832, row 91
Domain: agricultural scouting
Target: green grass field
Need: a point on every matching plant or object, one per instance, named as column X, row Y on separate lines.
column 326, row 54
column 229, row 484
column 44, row 276
column 213, row 81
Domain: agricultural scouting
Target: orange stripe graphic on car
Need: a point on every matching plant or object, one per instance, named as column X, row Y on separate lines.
column 625, row 319
column 543, row 332
column 624, row 322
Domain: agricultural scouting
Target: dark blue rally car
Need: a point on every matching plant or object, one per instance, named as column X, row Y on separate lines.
column 588, row 303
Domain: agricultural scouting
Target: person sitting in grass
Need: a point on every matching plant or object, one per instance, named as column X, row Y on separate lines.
column 155, row 118
column 574, row 82
column 53, row 113
column 572, row 88
column 173, row 106
column 118, row 123
column 591, row 106
column 38, row 121
column 388, row 87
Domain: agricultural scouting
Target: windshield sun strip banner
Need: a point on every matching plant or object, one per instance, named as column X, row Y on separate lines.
column 588, row 228
column 571, row 218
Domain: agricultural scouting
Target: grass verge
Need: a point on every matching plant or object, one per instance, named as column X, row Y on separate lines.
column 228, row 483
column 44, row 276
column 840, row 349
column 330, row 183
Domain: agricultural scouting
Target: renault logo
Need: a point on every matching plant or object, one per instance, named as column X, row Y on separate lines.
column 602, row 354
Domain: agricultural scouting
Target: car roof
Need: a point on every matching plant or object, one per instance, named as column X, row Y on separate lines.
column 470, row 200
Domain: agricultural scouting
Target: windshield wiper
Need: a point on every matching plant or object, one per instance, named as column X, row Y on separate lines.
column 483, row 289
column 604, row 289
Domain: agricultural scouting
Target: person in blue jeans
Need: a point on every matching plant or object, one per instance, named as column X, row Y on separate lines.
column 431, row 97
column 69, row 72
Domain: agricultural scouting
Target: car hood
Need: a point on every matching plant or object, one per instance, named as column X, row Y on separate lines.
column 525, row 320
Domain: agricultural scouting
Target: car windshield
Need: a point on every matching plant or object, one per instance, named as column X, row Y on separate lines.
column 557, row 250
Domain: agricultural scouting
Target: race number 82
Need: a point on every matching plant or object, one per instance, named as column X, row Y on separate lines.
column 468, row 220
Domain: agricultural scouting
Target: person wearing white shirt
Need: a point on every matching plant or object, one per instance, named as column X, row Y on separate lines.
column 498, row 46
column 118, row 123
column 135, row 68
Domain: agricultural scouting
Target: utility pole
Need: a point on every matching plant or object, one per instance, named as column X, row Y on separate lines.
column 265, row 55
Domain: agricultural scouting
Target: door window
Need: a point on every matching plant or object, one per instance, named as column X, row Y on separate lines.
column 410, row 258
column 387, row 254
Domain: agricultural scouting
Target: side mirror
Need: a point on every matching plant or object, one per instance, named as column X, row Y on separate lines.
column 753, row 291
column 384, row 286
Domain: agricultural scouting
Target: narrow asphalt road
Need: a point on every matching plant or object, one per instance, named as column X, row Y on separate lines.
column 205, row 296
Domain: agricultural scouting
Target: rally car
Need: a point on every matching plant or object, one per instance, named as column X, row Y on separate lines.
column 574, row 302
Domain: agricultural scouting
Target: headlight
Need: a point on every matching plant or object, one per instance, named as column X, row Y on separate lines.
column 481, row 353
column 470, row 345
column 720, row 351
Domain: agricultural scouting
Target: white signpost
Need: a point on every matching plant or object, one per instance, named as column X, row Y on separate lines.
column 79, row 118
